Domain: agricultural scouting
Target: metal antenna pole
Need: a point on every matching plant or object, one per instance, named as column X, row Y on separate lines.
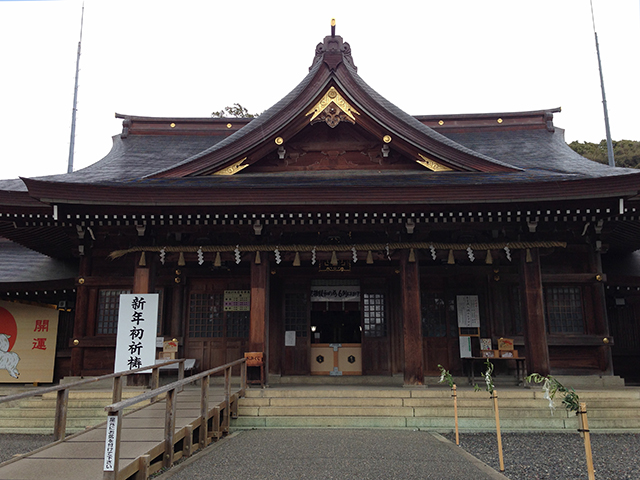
column 612, row 162
column 75, row 100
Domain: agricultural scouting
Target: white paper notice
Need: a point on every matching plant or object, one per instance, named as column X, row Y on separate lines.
column 290, row 338
column 465, row 347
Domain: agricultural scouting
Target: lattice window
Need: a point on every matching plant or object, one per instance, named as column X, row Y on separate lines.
column 295, row 313
column 108, row 305
column 434, row 315
column 238, row 324
column 564, row 309
column 375, row 324
column 206, row 315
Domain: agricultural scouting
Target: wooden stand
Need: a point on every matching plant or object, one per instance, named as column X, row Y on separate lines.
column 256, row 360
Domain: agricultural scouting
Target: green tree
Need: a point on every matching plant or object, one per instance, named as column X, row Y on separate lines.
column 625, row 152
column 234, row 111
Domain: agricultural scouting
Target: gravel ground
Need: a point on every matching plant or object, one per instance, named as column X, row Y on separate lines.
column 535, row 456
column 15, row 443
column 538, row 456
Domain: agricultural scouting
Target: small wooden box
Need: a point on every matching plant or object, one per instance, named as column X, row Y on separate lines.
column 508, row 354
column 166, row 355
column 489, row 353
column 505, row 344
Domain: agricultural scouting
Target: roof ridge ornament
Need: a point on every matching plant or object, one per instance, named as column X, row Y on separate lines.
column 332, row 109
column 333, row 51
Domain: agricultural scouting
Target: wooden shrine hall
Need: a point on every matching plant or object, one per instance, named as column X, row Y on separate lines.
column 338, row 235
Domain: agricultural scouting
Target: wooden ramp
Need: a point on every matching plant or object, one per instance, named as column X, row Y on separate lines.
column 81, row 456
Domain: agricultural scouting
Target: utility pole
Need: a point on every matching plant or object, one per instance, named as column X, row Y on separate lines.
column 75, row 99
column 612, row 162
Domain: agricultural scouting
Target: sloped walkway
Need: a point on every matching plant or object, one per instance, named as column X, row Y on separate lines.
column 81, row 456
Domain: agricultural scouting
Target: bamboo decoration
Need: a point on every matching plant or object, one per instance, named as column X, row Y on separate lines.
column 495, row 407
column 455, row 411
column 584, row 432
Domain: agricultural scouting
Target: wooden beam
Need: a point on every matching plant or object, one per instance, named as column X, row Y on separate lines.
column 537, row 350
column 411, row 321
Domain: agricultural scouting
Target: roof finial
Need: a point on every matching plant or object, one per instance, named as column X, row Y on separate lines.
column 333, row 27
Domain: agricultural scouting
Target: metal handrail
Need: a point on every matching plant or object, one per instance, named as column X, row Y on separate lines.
column 62, row 397
column 115, row 413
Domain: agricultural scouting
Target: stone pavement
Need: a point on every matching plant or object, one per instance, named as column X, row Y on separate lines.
column 332, row 454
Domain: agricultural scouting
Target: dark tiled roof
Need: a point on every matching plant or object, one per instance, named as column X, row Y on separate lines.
column 20, row 264
column 536, row 150
column 416, row 124
column 254, row 125
column 138, row 156
column 13, row 185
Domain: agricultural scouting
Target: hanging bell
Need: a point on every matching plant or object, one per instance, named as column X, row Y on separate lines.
column 143, row 260
column 451, row 260
column 181, row 262
column 296, row 260
column 258, row 260
column 217, row 262
column 334, row 258
column 412, row 256
column 528, row 256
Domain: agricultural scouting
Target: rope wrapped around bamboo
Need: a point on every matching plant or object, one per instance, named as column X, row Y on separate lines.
column 339, row 248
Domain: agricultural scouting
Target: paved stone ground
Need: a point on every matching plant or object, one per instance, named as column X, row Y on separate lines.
column 332, row 454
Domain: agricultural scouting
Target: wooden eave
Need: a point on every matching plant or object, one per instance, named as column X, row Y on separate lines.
column 235, row 193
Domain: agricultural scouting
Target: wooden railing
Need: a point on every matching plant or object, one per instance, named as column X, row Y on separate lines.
column 62, row 391
column 219, row 414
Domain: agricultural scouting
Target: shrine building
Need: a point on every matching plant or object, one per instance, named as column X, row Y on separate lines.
column 339, row 236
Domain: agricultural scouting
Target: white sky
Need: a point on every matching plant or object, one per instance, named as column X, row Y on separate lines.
column 188, row 58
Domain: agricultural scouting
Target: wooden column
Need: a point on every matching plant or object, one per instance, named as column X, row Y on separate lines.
column 177, row 322
column 411, row 321
column 600, row 313
column 533, row 307
column 81, row 314
column 141, row 278
column 259, row 306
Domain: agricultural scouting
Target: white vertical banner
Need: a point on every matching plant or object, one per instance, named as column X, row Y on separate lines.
column 137, row 327
column 110, row 443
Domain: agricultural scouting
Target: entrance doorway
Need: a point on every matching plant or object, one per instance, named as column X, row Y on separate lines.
column 336, row 332
column 336, row 326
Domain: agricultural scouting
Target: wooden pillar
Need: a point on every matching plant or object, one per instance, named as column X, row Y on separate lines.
column 141, row 278
column 81, row 314
column 411, row 321
column 533, row 306
column 259, row 306
column 600, row 313
column 177, row 323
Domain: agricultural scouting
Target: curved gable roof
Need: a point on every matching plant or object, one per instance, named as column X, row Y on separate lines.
column 333, row 65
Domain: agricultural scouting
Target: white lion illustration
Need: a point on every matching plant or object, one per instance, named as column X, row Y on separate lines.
column 8, row 360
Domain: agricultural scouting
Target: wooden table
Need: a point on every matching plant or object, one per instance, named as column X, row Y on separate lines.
column 469, row 364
